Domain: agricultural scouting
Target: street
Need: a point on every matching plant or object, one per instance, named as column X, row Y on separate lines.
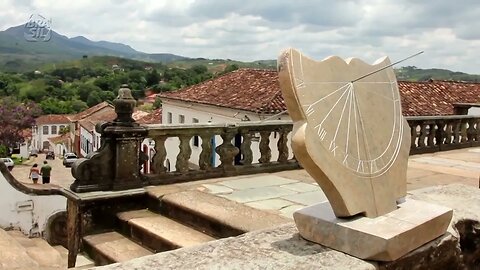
column 60, row 175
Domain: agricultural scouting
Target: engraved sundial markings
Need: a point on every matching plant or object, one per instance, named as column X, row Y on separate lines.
column 352, row 146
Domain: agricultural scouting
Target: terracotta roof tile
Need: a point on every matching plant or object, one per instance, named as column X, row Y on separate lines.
column 90, row 111
column 154, row 117
column 436, row 97
column 258, row 91
column 52, row 119
column 245, row 89
column 105, row 115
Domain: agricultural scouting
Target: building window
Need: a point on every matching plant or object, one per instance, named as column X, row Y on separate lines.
column 181, row 119
column 45, row 130
column 196, row 139
column 54, row 129
column 169, row 118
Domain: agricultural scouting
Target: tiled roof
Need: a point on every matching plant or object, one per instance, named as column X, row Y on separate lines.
column 436, row 97
column 258, row 91
column 52, row 119
column 245, row 89
column 90, row 111
column 108, row 114
column 154, row 117
column 59, row 139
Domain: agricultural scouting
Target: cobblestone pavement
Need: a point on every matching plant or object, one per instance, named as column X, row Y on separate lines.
column 61, row 175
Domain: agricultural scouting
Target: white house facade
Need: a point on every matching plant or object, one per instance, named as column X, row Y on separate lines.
column 46, row 128
column 242, row 95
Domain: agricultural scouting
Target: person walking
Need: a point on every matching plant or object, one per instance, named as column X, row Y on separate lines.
column 45, row 172
column 34, row 173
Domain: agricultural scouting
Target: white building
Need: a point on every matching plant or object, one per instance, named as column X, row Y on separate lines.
column 242, row 95
column 47, row 127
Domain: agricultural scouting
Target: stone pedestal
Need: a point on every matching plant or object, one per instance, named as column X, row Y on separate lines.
column 127, row 144
column 384, row 238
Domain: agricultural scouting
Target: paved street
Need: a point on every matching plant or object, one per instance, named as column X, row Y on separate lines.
column 60, row 175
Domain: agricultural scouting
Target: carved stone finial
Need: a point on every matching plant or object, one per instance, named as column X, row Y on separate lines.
column 124, row 106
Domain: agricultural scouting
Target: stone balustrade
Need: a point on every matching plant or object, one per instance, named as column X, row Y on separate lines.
column 242, row 148
column 441, row 133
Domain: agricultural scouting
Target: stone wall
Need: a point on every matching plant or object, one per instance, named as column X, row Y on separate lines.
column 283, row 248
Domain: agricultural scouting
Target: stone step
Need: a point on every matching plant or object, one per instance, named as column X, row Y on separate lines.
column 111, row 247
column 214, row 215
column 39, row 250
column 82, row 262
column 13, row 255
column 159, row 233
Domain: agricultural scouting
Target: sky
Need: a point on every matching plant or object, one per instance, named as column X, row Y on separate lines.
column 246, row 30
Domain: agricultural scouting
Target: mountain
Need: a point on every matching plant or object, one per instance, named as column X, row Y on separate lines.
column 18, row 54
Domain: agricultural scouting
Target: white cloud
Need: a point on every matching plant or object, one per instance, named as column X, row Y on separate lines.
column 253, row 29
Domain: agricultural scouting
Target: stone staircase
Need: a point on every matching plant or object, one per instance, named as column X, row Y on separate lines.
column 174, row 220
column 17, row 251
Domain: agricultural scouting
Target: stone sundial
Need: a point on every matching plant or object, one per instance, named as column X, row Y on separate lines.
column 350, row 136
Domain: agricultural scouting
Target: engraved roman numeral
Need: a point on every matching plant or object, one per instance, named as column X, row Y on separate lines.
column 360, row 167
column 345, row 160
column 332, row 147
column 309, row 110
column 321, row 132
column 300, row 83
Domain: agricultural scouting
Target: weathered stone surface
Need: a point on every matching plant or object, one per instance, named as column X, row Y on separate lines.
column 385, row 238
column 349, row 132
column 283, row 248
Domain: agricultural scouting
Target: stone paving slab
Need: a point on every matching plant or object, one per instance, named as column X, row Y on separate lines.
column 257, row 182
column 257, row 194
column 217, row 189
column 289, row 210
column 270, row 204
column 301, row 187
column 307, row 198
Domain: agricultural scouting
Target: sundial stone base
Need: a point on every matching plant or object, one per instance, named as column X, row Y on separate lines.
column 384, row 238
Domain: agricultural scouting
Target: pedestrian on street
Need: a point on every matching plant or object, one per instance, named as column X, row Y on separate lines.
column 45, row 172
column 34, row 173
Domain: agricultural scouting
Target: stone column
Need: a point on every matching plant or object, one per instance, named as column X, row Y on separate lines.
column 116, row 165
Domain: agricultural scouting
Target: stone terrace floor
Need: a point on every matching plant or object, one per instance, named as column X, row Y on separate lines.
column 284, row 192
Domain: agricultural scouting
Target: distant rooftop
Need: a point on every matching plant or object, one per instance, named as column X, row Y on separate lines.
column 259, row 91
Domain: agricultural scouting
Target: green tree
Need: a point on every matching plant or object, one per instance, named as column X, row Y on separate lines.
column 94, row 98
column 152, row 78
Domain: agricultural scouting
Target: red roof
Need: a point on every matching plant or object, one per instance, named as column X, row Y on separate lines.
column 436, row 97
column 90, row 111
column 245, row 89
column 52, row 119
column 259, row 91
column 106, row 115
column 154, row 117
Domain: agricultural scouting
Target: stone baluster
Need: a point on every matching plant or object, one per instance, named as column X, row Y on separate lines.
column 456, row 131
column 184, row 155
column 463, row 131
column 246, row 147
column 227, row 150
column 205, row 159
column 431, row 134
column 440, row 133
column 160, row 155
column 265, row 151
column 448, row 132
column 423, row 134
column 413, row 134
column 471, row 130
column 282, row 146
column 477, row 130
